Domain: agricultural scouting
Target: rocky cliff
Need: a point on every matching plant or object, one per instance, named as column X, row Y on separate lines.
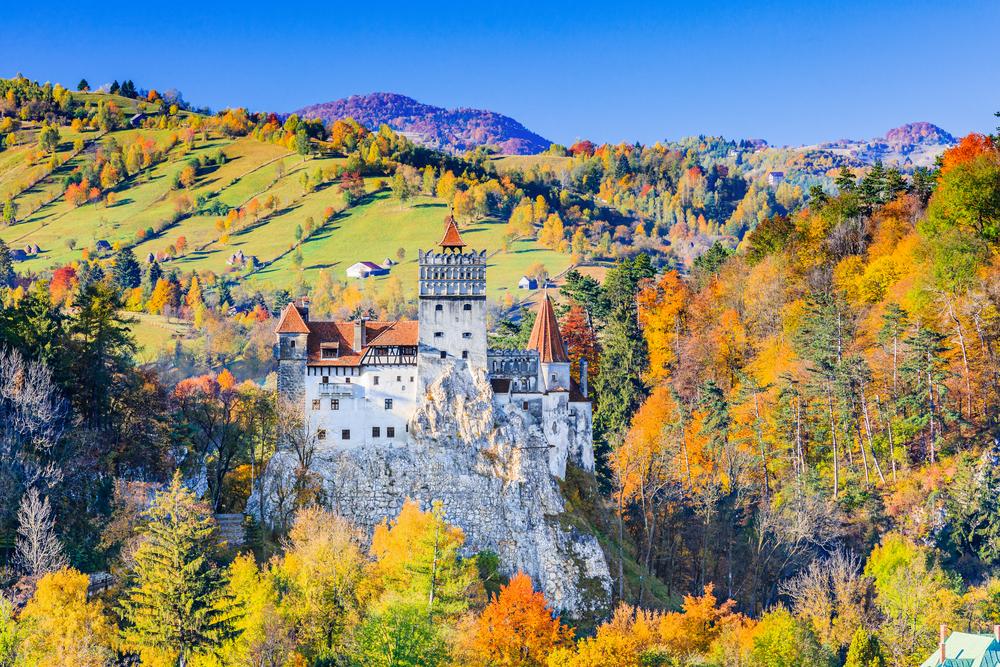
column 489, row 469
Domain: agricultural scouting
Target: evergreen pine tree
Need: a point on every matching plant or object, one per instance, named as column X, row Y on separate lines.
column 83, row 86
column 7, row 274
column 176, row 601
column 153, row 274
column 846, row 181
column 127, row 272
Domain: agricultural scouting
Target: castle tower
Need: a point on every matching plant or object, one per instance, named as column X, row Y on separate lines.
column 553, row 366
column 452, row 310
column 293, row 352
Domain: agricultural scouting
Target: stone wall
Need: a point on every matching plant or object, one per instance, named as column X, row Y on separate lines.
column 489, row 467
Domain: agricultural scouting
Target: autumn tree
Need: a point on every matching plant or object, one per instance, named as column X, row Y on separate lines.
column 417, row 561
column 38, row 550
column 61, row 627
column 517, row 628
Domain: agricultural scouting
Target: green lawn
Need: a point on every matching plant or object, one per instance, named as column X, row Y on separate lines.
column 155, row 334
column 378, row 228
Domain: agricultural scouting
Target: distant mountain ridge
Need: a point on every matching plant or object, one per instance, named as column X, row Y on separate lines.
column 910, row 145
column 454, row 130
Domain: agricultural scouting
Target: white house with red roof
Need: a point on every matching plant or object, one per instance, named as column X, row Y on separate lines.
column 361, row 382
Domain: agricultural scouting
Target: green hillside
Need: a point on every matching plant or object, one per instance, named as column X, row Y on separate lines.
column 150, row 214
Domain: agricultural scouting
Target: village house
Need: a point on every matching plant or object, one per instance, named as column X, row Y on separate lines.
column 366, row 270
column 527, row 283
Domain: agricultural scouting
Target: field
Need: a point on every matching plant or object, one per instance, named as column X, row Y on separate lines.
column 145, row 216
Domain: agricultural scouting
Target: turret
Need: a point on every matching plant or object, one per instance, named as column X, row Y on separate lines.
column 293, row 352
column 553, row 367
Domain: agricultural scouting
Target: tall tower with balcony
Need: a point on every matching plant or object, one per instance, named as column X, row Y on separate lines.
column 452, row 307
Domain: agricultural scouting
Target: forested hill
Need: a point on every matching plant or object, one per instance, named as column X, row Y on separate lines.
column 455, row 130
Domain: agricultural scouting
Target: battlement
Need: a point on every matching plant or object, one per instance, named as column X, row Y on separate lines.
column 458, row 274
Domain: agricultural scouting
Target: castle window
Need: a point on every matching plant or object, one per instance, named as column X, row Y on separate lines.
column 466, row 334
column 326, row 379
column 390, row 431
column 467, row 306
column 376, row 432
column 315, row 404
column 399, row 378
column 375, row 379
column 291, row 344
column 439, row 334
column 345, row 434
column 388, row 404
column 348, row 380
column 321, row 434
column 439, row 307
column 444, row 355
column 465, row 354
column 334, row 403
column 524, row 405
column 411, row 378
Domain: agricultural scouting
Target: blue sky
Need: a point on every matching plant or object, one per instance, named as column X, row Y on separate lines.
column 788, row 72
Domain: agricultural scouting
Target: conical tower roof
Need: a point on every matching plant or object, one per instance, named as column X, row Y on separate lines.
column 452, row 239
column 545, row 336
column 291, row 321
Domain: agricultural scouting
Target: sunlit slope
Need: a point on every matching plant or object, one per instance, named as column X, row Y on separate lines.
column 145, row 216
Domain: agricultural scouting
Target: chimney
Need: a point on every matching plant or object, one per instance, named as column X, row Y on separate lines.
column 583, row 378
column 943, row 635
column 996, row 633
column 359, row 334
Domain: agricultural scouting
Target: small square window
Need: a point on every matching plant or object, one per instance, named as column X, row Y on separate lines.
column 326, row 379
column 376, row 432
column 467, row 306
column 439, row 334
column 390, row 431
column 345, row 434
column 315, row 404
column 439, row 307
column 399, row 378
column 444, row 355
column 388, row 404
column 321, row 434
column 466, row 334
column 465, row 354
column 334, row 403
column 375, row 380
column 347, row 380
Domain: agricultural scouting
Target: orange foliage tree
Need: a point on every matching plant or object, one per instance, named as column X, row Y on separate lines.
column 517, row 628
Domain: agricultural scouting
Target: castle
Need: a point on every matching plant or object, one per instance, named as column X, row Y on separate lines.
column 360, row 383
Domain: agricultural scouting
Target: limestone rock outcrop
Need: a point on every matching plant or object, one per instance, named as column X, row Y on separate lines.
column 490, row 470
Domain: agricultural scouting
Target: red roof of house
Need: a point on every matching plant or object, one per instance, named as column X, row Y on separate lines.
column 292, row 321
column 377, row 334
column 452, row 239
column 545, row 336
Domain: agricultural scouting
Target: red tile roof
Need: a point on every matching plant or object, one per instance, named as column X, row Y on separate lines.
column 377, row 333
column 452, row 239
column 545, row 336
column 292, row 321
